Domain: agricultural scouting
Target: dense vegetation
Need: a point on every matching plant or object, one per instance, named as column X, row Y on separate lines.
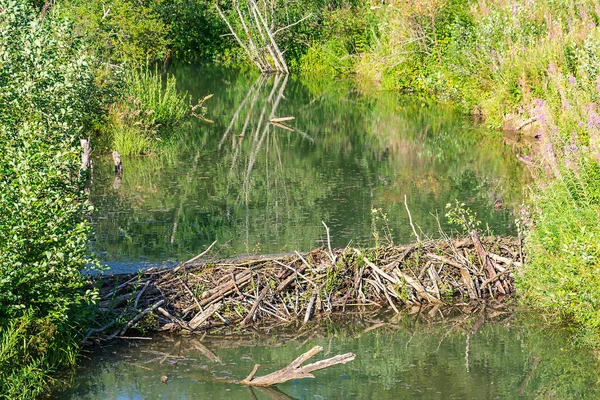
column 47, row 100
column 80, row 68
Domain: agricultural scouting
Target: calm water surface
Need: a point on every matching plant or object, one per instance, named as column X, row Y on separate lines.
column 399, row 358
column 258, row 184
column 259, row 188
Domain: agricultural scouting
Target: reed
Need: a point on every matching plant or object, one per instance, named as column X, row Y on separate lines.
column 150, row 105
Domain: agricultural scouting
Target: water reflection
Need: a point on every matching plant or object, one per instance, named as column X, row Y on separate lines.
column 261, row 183
column 488, row 354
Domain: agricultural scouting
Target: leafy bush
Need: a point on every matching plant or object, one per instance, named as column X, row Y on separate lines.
column 122, row 30
column 150, row 31
column 47, row 101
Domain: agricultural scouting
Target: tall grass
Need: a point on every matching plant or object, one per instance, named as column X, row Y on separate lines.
column 32, row 353
column 158, row 98
column 150, row 105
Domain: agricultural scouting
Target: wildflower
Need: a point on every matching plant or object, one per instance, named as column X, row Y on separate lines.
column 572, row 80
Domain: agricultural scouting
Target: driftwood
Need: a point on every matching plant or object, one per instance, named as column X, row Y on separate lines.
column 198, row 295
column 295, row 370
column 527, row 122
column 485, row 260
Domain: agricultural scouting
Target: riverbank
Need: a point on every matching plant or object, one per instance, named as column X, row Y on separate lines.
column 197, row 297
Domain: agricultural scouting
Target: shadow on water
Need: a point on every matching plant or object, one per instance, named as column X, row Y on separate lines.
column 259, row 182
column 488, row 354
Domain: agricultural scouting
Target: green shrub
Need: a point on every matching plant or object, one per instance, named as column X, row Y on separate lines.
column 121, row 30
column 47, row 101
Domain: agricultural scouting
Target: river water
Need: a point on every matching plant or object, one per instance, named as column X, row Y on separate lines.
column 348, row 159
column 490, row 354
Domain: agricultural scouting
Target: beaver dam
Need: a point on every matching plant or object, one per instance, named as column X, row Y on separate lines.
column 201, row 296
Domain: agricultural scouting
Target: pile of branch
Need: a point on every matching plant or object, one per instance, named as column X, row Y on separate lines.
column 294, row 288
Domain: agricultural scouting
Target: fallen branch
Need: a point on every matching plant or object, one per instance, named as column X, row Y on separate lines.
column 136, row 319
column 527, row 122
column 295, row 371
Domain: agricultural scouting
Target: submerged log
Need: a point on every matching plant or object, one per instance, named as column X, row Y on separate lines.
column 295, row 370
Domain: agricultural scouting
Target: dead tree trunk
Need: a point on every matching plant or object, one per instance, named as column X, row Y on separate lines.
column 118, row 169
column 295, row 371
column 256, row 35
column 86, row 154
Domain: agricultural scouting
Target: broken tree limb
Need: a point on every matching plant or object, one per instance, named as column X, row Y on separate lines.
column 281, row 119
column 527, row 122
column 86, row 154
column 136, row 319
column 485, row 261
column 260, row 298
column 202, row 316
column 411, row 221
column 295, row 371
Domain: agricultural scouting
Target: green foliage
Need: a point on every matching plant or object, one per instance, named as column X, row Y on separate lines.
column 195, row 29
column 343, row 32
column 47, row 99
column 564, row 250
column 122, row 30
column 31, row 349
column 148, row 104
column 140, row 31
column 461, row 216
